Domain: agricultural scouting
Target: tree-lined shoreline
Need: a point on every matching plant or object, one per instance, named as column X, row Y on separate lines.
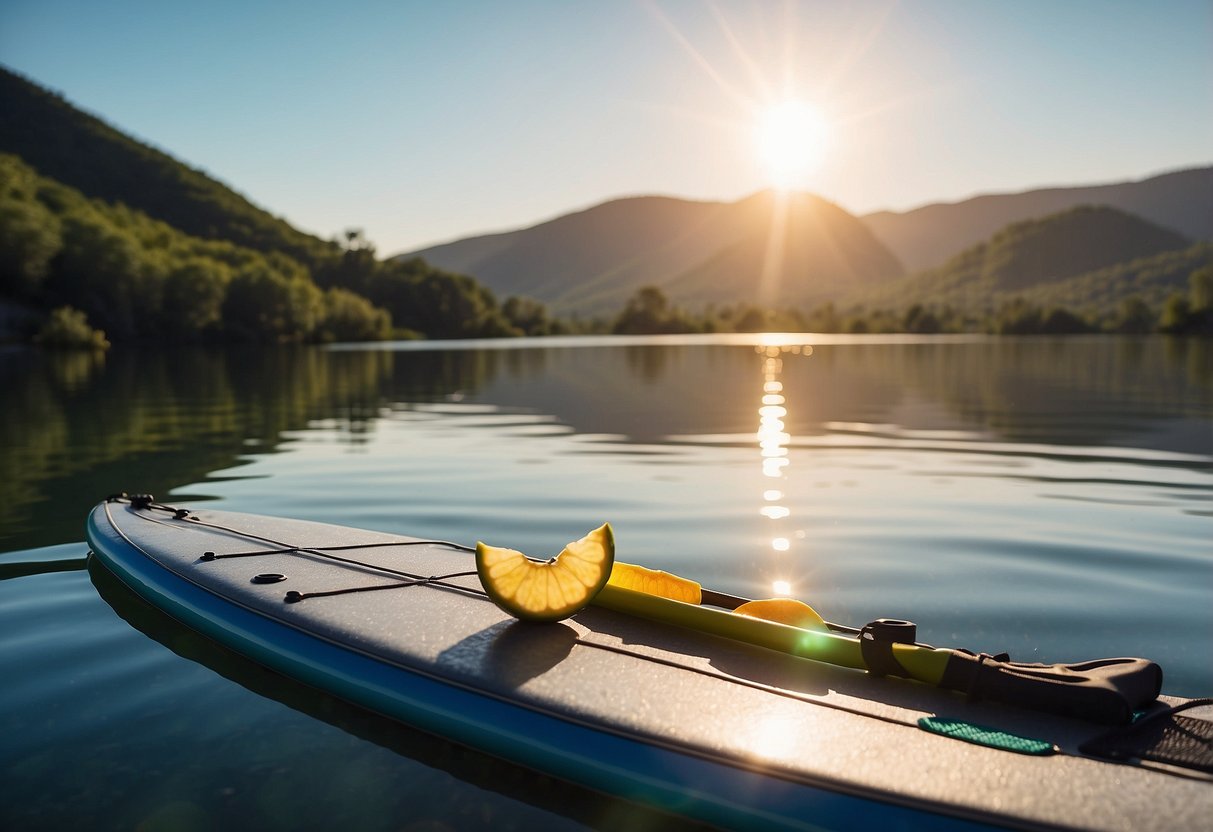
column 91, row 273
column 105, row 240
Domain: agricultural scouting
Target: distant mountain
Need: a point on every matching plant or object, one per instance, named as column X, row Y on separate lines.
column 761, row 249
column 70, row 146
column 1037, row 256
column 925, row 237
column 794, row 252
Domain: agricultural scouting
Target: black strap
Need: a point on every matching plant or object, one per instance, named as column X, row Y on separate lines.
column 1162, row 737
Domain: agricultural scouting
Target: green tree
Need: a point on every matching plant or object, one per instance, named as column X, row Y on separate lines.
column 192, row 302
column 102, row 270
column 753, row 319
column 1175, row 313
column 1200, row 289
column 1134, row 317
column 856, row 324
column 29, row 238
column 353, row 268
column 920, row 319
column 1017, row 318
column 351, row 317
column 1059, row 321
column 263, row 304
column 68, row 328
column 1200, row 301
column 454, row 306
column 649, row 311
column 529, row 316
column 824, row 319
column 438, row 303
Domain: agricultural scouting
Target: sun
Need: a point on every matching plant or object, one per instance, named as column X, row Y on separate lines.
column 791, row 138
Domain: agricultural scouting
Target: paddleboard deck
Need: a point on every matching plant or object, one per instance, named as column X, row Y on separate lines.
column 689, row 723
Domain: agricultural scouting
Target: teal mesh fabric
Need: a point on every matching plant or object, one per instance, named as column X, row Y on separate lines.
column 981, row 735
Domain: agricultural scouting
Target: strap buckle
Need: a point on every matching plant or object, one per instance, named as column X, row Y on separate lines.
column 876, row 641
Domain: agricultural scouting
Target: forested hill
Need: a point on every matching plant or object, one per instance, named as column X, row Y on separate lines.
column 98, row 230
column 76, row 149
column 1181, row 201
column 1028, row 258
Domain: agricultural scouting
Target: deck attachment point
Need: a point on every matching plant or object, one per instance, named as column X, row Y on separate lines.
column 208, row 556
column 268, row 578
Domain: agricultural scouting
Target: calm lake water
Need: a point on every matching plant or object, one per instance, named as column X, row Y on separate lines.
column 1048, row 497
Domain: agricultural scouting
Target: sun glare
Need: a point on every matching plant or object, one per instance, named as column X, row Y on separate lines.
column 791, row 140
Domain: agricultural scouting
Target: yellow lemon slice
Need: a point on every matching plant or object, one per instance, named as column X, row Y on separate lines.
column 784, row 611
column 655, row 582
column 551, row 590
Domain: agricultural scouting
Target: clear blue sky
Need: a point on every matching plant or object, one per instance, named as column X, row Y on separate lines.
column 426, row 121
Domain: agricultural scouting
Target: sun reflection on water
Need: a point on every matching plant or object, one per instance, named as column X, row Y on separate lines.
column 773, row 441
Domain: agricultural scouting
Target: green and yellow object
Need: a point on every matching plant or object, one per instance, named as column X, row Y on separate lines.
column 1105, row 690
column 926, row 664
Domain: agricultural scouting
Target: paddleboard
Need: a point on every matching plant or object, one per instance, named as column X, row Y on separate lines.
column 708, row 728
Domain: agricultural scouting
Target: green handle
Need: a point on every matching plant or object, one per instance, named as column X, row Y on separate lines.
column 924, row 664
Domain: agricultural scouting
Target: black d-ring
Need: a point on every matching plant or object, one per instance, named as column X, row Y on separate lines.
column 268, row 578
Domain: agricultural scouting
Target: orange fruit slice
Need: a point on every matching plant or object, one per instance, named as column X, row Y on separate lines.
column 784, row 611
column 655, row 582
column 547, row 590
